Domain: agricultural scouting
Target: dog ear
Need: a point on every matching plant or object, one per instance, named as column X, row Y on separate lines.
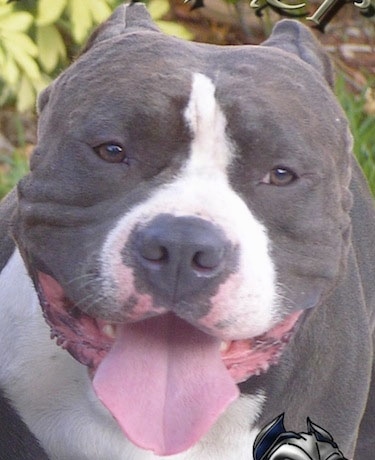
column 267, row 437
column 125, row 17
column 295, row 38
column 43, row 99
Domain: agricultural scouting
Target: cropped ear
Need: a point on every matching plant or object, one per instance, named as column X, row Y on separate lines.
column 295, row 38
column 43, row 99
column 124, row 18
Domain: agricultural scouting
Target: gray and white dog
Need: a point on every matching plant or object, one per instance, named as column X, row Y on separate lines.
column 197, row 236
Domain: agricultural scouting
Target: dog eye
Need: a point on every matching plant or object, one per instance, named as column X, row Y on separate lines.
column 112, row 153
column 280, row 176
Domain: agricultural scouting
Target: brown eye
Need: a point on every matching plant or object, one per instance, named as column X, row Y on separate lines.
column 280, row 176
column 112, row 153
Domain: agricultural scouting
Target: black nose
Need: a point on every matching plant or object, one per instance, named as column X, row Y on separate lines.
column 181, row 256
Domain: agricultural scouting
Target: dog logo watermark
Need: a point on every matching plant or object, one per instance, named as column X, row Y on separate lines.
column 275, row 443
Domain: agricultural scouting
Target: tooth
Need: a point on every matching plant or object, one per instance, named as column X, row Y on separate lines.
column 109, row 330
column 224, row 346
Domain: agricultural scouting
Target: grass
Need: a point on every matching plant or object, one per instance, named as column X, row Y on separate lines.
column 13, row 167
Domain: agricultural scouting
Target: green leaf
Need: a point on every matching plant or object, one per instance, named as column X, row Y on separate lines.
column 19, row 47
column 2, row 59
column 51, row 47
column 177, row 30
column 19, row 41
column 42, row 83
column 15, row 22
column 49, row 11
column 99, row 10
column 5, row 10
column 25, row 95
column 81, row 19
column 28, row 64
column 10, row 71
column 158, row 8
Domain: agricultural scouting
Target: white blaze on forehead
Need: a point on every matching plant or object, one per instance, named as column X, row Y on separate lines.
column 210, row 150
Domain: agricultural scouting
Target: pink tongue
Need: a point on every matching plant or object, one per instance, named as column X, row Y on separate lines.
column 165, row 383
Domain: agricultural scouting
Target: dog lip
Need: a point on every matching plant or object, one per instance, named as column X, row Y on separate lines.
column 89, row 339
column 84, row 337
column 248, row 357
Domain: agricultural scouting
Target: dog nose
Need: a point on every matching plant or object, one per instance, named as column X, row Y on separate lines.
column 180, row 256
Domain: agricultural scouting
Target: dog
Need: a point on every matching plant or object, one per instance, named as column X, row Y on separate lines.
column 198, row 241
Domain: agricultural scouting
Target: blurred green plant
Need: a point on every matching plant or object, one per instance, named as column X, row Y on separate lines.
column 362, row 125
column 20, row 73
column 158, row 9
column 12, row 169
column 37, row 39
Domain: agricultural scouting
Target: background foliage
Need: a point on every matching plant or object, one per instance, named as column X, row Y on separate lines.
column 38, row 38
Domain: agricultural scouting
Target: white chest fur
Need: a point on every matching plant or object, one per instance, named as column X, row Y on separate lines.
column 53, row 393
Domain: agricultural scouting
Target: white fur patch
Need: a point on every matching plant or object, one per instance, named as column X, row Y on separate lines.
column 211, row 151
column 53, row 393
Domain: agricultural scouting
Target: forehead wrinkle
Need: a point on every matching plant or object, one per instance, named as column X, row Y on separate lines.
column 211, row 150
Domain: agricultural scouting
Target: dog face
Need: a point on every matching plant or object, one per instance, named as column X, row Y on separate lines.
column 187, row 191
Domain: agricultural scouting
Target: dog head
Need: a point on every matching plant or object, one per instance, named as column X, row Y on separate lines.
column 186, row 203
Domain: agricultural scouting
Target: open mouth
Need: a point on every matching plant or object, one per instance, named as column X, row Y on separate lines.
column 165, row 381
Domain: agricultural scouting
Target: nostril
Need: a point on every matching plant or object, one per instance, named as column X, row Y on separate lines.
column 208, row 259
column 154, row 253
